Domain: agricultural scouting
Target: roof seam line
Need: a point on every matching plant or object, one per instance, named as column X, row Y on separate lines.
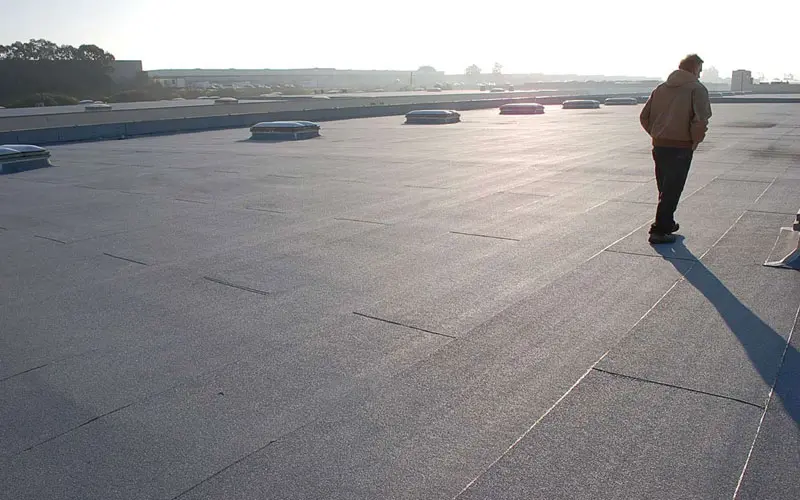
column 68, row 431
column 49, row 239
column 686, row 259
column 23, row 372
column 674, row 386
column 766, row 404
column 212, row 476
column 124, row 258
column 233, row 285
column 403, row 325
column 485, row 236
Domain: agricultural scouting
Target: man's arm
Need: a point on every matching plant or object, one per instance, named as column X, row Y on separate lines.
column 701, row 113
column 644, row 116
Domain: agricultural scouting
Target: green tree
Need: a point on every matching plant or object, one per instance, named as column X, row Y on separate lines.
column 41, row 66
column 94, row 53
column 45, row 50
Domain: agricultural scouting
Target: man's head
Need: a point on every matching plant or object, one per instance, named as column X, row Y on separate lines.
column 693, row 64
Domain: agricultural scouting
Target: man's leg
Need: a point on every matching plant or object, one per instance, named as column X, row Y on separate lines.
column 659, row 172
column 672, row 167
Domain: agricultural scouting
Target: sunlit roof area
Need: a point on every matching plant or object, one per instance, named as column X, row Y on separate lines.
column 390, row 311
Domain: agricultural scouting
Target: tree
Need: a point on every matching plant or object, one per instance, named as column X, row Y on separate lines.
column 45, row 50
column 41, row 66
column 34, row 50
column 497, row 69
column 426, row 69
column 472, row 70
column 94, row 53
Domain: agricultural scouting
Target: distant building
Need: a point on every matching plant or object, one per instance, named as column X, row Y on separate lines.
column 201, row 85
column 741, row 81
column 124, row 71
column 323, row 78
column 174, row 83
column 776, row 88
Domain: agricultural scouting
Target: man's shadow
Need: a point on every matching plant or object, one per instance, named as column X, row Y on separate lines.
column 764, row 346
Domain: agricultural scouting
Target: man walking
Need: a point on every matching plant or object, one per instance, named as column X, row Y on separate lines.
column 676, row 117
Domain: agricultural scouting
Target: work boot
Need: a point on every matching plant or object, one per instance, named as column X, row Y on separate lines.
column 660, row 238
column 675, row 228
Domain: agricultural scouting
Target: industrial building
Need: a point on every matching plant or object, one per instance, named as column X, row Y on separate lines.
column 742, row 81
column 306, row 78
column 124, row 71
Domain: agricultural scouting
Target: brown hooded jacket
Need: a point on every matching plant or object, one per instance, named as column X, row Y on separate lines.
column 677, row 113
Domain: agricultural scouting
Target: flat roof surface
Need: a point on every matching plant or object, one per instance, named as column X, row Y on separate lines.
column 395, row 311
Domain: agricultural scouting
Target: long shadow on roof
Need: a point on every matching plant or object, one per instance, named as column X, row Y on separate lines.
column 771, row 355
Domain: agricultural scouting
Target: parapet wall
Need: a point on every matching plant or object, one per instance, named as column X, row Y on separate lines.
column 121, row 130
column 64, row 119
column 77, row 127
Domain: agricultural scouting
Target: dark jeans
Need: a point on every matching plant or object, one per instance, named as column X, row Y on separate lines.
column 672, row 167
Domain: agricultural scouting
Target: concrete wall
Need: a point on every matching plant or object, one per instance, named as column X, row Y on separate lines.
column 175, row 112
column 753, row 99
column 102, row 131
column 776, row 88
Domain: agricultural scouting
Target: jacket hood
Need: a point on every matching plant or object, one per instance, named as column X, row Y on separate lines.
column 679, row 78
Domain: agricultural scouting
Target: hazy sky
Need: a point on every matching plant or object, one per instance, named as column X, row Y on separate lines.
column 588, row 37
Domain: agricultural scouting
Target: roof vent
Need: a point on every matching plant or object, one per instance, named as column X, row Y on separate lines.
column 517, row 108
column 432, row 116
column 621, row 101
column 284, row 131
column 20, row 157
column 581, row 104
column 98, row 106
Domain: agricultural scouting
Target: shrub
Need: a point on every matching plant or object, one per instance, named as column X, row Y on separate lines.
column 48, row 100
column 153, row 93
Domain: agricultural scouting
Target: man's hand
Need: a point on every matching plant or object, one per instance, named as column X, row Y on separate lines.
column 694, row 146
